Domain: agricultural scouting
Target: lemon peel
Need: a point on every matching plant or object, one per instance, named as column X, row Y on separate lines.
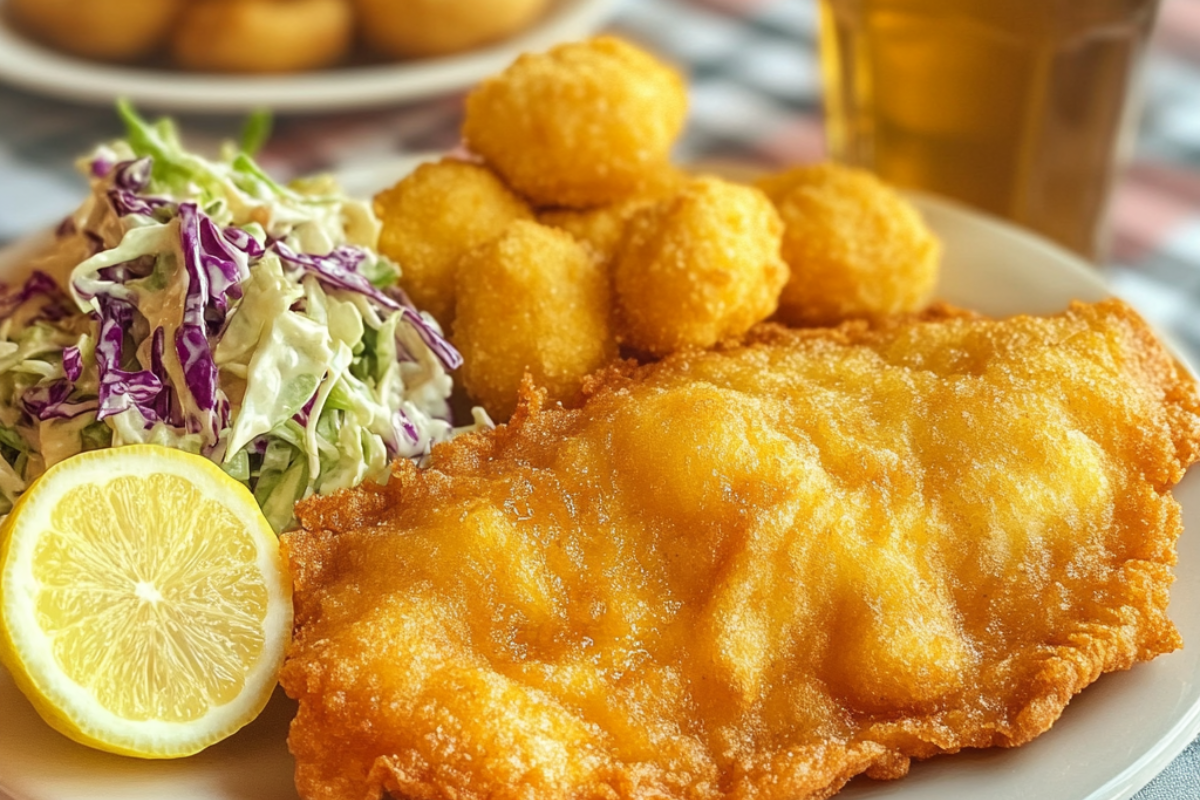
column 144, row 604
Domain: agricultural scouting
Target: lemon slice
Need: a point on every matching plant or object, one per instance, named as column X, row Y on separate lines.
column 144, row 606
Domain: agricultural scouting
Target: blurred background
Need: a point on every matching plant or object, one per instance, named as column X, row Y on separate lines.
column 755, row 100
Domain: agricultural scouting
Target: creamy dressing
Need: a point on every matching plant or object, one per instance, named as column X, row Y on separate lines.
column 284, row 330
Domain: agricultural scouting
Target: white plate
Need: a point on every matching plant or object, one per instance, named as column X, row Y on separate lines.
column 37, row 68
column 1112, row 739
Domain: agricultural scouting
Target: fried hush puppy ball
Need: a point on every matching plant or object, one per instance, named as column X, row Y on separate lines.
column 581, row 125
column 699, row 268
column 602, row 229
column 855, row 247
column 533, row 301
column 415, row 28
column 262, row 36
column 110, row 30
column 433, row 216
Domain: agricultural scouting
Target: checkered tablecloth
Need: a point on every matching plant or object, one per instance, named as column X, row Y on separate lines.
column 755, row 97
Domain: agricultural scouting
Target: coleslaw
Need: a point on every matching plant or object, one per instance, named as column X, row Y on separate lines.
column 199, row 304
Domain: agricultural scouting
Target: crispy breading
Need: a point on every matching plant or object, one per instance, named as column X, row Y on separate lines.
column 432, row 217
column 426, row 28
column 697, row 268
column 750, row 573
column 855, row 246
column 602, row 229
column 258, row 36
column 530, row 302
column 581, row 125
column 112, row 30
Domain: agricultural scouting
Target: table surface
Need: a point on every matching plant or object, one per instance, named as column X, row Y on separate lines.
column 755, row 99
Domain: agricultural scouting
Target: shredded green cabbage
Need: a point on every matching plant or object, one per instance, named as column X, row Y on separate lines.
column 177, row 264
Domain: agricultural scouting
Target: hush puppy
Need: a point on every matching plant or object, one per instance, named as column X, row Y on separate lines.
column 855, row 247
column 582, row 125
column 602, row 229
column 262, row 36
column 415, row 28
column 110, row 30
column 433, row 216
column 698, row 268
column 533, row 301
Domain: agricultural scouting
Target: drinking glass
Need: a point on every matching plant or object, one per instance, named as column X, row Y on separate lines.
column 1022, row 108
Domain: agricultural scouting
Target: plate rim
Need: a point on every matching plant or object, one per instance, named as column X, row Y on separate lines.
column 36, row 68
column 1183, row 729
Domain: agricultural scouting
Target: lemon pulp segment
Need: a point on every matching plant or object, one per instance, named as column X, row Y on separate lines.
column 145, row 606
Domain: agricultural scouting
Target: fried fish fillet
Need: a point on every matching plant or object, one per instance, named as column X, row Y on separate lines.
column 752, row 573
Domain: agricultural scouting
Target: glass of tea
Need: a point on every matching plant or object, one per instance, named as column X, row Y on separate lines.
column 1022, row 108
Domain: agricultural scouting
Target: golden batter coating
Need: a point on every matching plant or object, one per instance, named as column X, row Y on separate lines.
column 602, row 229
column 750, row 573
column 432, row 217
column 530, row 302
column 698, row 268
column 855, row 247
column 262, row 36
column 112, row 30
column 583, row 124
column 425, row 28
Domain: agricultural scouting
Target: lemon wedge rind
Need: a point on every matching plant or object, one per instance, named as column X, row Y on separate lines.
column 28, row 651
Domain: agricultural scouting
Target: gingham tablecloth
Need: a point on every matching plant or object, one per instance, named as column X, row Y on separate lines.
column 755, row 98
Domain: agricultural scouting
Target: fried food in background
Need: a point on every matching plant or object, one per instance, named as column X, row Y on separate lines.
column 584, row 124
column 855, row 247
column 698, row 268
column 433, row 216
column 109, row 30
column 262, row 36
column 754, row 572
column 420, row 28
column 531, row 301
column 269, row 36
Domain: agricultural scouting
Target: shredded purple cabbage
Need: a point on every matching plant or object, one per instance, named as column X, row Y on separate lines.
column 220, row 420
column 39, row 284
column 224, row 267
column 111, row 281
column 129, row 179
column 133, row 176
column 400, row 296
column 119, row 389
column 244, row 242
column 402, row 428
column 164, row 406
column 50, row 401
column 125, row 202
column 72, row 361
column 441, row 348
column 402, row 424
column 339, row 270
column 101, row 167
column 191, row 337
column 140, row 267
column 216, row 260
column 305, row 411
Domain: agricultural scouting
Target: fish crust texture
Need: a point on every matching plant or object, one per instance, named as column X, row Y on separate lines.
column 754, row 572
